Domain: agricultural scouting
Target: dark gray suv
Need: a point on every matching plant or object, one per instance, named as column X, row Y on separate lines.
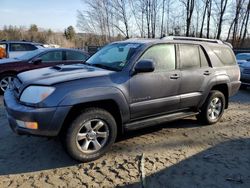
column 124, row 86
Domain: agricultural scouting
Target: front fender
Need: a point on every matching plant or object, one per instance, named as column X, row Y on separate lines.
column 98, row 94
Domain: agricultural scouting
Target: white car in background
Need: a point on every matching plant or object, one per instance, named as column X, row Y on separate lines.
column 18, row 48
column 243, row 60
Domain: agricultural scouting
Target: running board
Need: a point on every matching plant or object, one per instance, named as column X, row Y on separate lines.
column 158, row 120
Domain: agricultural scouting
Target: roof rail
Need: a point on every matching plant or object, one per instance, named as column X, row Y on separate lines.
column 192, row 39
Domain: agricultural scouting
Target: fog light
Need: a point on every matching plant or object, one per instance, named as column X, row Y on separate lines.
column 27, row 125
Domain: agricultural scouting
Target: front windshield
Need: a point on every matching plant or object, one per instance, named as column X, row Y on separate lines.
column 30, row 55
column 113, row 56
column 243, row 56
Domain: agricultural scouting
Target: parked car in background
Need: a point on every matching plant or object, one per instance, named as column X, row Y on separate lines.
column 44, row 57
column 243, row 60
column 18, row 48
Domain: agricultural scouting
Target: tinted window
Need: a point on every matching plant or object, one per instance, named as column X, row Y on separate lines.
column 30, row 47
column 15, row 47
column 52, row 56
column 189, row 56
column 163, row 56
column 72, row 55
column 225, row 55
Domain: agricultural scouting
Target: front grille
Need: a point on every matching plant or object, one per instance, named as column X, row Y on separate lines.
column 17, row 87
column 246, row 71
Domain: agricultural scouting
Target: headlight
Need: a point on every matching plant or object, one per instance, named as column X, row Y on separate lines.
column 36, row 94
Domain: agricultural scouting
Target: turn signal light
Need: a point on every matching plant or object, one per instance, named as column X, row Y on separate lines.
column 27, row 125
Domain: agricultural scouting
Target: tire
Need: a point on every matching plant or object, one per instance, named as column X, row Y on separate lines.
column 4, row 81
column 91, row 135
column 213, row 108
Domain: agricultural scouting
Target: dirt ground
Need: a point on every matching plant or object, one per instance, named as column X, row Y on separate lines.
column 178, row 154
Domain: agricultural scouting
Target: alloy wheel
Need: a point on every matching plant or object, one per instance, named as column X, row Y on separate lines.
column 5, row 82
column 92, row 136
column 214, row 109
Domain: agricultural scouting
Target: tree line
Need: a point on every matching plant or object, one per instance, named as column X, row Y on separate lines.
column 221, row 19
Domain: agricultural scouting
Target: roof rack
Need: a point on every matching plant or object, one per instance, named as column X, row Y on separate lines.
column 192, row 39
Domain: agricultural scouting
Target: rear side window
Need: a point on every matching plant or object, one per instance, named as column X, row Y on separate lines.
column 189, row 56
column 77, row 56
column 52, row 56
column 225, row 55
column 163, row 56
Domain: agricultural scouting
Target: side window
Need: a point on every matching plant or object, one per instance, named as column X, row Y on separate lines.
column 52, row 56
column 15, row 47
column 203, row 58
column 189, row 56
column 78, row 56
column 225, row 55
column 30, row 47
column 163, row 56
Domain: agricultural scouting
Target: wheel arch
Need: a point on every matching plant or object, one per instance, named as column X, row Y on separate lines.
column 109, row 105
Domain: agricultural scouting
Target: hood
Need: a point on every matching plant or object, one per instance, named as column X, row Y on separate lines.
column 9, row 60
column 244, row 63
column 62, row 73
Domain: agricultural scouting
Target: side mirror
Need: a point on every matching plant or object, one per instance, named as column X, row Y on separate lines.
column 144, row 66
column 37, row 61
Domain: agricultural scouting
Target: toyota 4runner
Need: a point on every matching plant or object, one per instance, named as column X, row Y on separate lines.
column 125, row 86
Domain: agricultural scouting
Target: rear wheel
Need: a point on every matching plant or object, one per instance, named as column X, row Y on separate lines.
column 91, row 135
column 213, row 108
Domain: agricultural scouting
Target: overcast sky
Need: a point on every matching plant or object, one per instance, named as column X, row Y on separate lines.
column 54, row 14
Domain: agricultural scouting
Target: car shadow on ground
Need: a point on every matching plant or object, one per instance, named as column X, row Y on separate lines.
column 23, row 154
column 224, row 165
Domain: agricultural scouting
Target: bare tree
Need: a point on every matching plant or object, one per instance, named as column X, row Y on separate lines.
column 189, row 5
column 245, row 21
column 222, row 8
column 120, row 8
column 209, row 10
column 203, row 17
column 239, row 4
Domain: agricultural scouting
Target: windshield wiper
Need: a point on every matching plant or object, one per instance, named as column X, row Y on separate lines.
column 105, row 67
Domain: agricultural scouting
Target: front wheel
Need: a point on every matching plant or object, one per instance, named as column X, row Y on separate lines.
column 212, row 110
column 91, row 135
column 5, row 81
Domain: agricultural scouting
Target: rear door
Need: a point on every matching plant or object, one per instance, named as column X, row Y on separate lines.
column 156, row 92
column 195, row 74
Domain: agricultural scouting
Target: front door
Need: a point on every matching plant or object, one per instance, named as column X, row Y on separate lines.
column 156, row 92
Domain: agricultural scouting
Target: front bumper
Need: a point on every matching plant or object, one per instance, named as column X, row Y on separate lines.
column 50, row 120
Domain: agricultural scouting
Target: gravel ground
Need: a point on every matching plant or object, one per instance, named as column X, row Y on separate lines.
column 178, row 154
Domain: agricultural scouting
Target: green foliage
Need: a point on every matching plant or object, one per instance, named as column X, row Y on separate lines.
column 33, row 28
column 70, row 33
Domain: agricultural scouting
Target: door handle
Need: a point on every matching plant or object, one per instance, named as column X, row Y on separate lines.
column 174, row 76
column 207, row 73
